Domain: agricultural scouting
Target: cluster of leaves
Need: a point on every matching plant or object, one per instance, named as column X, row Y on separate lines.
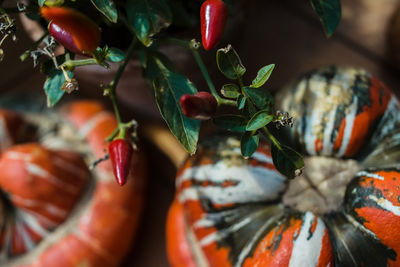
column 144, row 20
column 256, row 108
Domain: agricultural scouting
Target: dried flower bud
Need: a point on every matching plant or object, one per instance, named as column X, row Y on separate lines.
column 201, row 106
column 283, row 119
column 70, row 86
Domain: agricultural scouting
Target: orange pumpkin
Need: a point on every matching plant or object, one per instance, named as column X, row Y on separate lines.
column 344, row 209
column 55, row 211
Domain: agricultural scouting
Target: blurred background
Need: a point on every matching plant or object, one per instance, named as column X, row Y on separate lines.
column 285, row 32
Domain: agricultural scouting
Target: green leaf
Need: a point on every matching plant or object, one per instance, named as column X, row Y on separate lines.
column 230, row 91
column 260, row 97
column 41, row 2
column 53, row 85
column 108, row 8
column 286, row 160
column 153, row 63
column 241, row 102
column 235, row 123
column 259, row 120
column 115, row 55
column 250, row 109
column 263, row 76
column 329, row 12
column 169, row 87
column 148, row 17
column 249, row 144
column 229, row 63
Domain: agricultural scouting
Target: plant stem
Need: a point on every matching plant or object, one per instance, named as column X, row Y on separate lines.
column 69, row 64
column 33, row 47
column 111, row 88
column 2, row 40
column 192, row 45
column 178, row 42
column 271, row 138
column 240, row 84
column 205, row 73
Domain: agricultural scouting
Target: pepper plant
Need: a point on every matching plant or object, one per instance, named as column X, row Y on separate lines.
column 147, row 23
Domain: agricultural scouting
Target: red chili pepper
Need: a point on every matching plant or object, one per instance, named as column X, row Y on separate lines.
column 84, row 32
column 63, row 37
column 201, row 106
column 120, row 151
column 213, row 15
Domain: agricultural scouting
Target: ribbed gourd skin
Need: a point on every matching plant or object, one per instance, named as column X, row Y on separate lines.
column 54, row 209
column 232, row 209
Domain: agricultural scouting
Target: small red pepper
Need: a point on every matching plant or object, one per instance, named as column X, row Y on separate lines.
column 63, row 37
column 84, row 32
column 201, row 106
column 213, row 16
column 121, row 151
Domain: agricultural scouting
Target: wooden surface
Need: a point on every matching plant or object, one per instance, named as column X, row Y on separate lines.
column 284, row 32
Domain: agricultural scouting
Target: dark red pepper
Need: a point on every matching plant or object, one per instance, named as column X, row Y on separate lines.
column 121, row 151
column 213, row 16
column 85, row 33
column 201, row 106
column 63, row 37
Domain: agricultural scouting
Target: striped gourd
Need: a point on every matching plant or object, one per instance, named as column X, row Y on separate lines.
column 343, row 210
column 55, row 210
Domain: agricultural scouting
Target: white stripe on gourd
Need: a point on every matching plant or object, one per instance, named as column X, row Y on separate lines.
column 307, row 250
column 254, row 183
column 350, row 117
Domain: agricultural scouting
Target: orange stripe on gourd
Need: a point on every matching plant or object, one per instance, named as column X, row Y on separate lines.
column 318, row 145
column 385, row 226
column 102, row 124
column 105, row 231
column 276, row 247
column 339, row 138
column 71, row 251
column 326, row 257
column 178, row 249
column 213, row 252
column 81, row 111
column 97, row 138
column 382, row 218
column 363, row 122
column 37, row 177
column 84, row 31
column 102, row 234
column 39, row 187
